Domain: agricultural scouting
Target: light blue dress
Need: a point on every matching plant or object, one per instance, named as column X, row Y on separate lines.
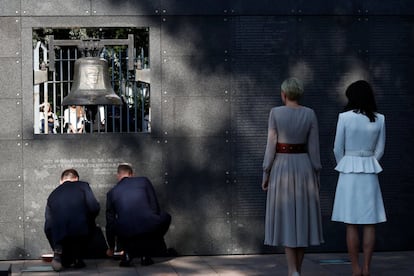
column 359, row 145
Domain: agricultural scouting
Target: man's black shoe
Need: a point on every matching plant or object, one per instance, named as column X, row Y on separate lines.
column 171, row 252
column 79, row 263
column 125, row 260
column 57, row 262
column 146, row 260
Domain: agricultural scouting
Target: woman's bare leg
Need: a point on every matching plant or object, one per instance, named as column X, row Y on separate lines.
column 352, row 241
column 368, row 247
column 300, row 253
column 292, row 260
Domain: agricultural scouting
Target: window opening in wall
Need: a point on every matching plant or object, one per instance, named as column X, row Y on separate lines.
column 55, row 51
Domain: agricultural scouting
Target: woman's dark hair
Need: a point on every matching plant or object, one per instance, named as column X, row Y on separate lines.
column 361, row 99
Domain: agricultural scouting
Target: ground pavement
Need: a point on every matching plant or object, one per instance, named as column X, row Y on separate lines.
column 315, row 264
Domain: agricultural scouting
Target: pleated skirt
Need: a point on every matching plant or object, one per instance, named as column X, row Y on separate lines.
column 293, row 217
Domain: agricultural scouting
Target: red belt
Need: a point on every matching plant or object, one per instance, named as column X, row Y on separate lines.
column 290, row 148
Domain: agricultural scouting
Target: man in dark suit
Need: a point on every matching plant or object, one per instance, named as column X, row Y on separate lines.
column 134, row 217
column 70, row 218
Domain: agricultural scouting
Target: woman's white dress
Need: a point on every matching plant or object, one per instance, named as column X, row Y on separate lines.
column 359, row 145
column 293, row 217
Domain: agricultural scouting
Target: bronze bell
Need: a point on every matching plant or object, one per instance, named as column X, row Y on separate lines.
column 91, row 85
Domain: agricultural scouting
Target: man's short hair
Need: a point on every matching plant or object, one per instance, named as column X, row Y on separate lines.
column 125, row 168
column 69, row 173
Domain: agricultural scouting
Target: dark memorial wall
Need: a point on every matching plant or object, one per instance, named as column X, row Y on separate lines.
column 216, row 69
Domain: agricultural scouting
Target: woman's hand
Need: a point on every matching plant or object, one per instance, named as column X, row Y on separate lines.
column 265, row 184
column 318, row 178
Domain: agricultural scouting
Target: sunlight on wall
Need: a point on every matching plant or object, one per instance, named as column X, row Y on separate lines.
column 356, row 71
column 302, row 70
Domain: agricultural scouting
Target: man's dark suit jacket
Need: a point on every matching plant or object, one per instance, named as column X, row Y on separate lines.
column 132, row 209
column 70, row 211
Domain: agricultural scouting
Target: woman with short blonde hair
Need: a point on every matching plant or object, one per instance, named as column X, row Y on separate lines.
column 291, row 177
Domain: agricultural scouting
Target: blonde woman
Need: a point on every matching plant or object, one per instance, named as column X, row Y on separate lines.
column 291, row 177
column 75, row 119
column 46, row 114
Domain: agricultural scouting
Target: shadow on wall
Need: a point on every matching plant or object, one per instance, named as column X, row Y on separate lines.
column 16, row 252
column 222, row 75
column 249, row 57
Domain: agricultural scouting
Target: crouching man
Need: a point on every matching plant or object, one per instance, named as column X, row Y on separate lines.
column 134, row 217
column 70, row 214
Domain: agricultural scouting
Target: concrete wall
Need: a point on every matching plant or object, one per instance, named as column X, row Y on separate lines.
column 216, row 69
